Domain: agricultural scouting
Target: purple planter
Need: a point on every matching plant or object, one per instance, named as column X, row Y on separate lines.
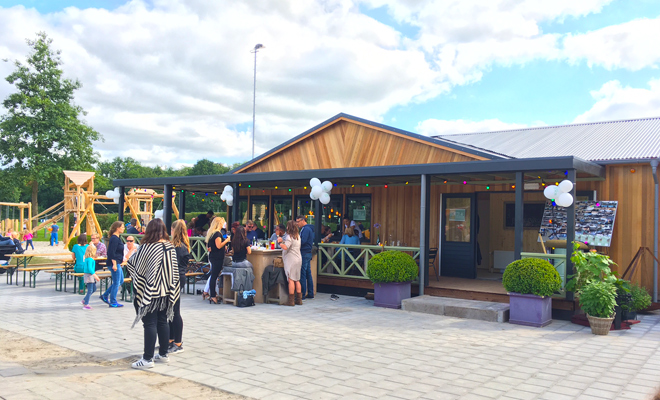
column 390, row 294
column 529, row 309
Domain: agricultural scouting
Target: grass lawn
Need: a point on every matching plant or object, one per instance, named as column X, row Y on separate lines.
column 44, row 236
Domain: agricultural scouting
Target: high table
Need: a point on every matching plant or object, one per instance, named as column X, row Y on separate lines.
column 260, row 259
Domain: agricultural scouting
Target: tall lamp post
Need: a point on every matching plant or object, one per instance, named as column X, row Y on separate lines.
column 254, row 93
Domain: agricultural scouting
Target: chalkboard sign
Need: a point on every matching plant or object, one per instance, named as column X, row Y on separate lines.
column 532, row 215
column 594, row 222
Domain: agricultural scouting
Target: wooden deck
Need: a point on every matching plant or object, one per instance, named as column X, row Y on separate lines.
column 459, row 288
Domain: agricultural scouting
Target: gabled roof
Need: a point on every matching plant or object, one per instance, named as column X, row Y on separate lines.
column 632, row 139
column 79, row 178
column 449, row 145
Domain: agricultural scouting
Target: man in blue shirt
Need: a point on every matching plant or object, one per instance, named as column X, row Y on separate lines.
column 53, row 234
column 132, row 227
column 306, row 243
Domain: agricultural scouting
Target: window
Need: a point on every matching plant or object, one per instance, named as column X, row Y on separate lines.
column 332, row 213
column 532, row 215
column 242, row 210
column 259, row 212
column 358, row 209
column 305, row 206
column 282, row 211
column 458, row 215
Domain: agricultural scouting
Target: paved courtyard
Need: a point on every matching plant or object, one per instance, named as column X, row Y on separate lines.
column 350, row 349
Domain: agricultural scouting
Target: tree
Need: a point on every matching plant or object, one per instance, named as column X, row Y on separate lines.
column 42, row 132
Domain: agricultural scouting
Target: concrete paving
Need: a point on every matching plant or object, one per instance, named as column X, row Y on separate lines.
column 350, row 349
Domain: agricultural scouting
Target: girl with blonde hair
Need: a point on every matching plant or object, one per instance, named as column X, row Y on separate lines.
column 216, row 242
column 182, row 247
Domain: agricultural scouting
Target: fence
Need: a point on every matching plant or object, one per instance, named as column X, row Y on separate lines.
column 352, row 261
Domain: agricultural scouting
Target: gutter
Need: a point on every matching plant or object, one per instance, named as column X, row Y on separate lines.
column 654, row 168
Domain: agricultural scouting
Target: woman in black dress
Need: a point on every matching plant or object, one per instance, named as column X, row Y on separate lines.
column 216, row 243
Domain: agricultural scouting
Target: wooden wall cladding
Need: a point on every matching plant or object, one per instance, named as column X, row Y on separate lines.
column 346, row 144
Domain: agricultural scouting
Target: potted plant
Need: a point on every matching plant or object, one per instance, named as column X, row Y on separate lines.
column 589, row 267
column 392, row 273
column 640, row 300
column 598, row 300
column 530, row 283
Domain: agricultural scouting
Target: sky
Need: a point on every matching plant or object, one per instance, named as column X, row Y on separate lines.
column 169, row 82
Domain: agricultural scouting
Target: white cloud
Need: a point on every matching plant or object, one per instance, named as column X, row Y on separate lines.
column 434, row 127
column 614, row 102
column 627, row 45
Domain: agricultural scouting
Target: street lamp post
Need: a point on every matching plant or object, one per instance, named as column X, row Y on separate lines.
column 254, row 93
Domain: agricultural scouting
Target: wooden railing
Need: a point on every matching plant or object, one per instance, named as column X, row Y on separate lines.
column 352, row 261
column 198, row 249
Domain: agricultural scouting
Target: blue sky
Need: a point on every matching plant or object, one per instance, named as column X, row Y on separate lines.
column 175, row 77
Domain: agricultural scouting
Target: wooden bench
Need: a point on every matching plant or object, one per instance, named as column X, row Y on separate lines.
column 191, row 277
column 127, row 290
column 33, row 271
column 59, row 277
column 228, row 296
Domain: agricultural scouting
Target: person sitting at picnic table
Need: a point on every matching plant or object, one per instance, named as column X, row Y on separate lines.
column 326, row 234
column 155, row 273
column 78, row 251
column 17, row 243
column 132, row 228
column 241, row 247
column 253, row 232
column 101, row 250
column 115, row 258
column 130, row 248
column 350, row 237
column 280, row 231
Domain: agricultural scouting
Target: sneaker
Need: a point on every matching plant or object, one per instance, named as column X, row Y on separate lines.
column 161, row 359
column 116, row 305
column 104, row 299
column 142, row 364
column 334, row 297
column 82, row 302
column 175, row 349
column 87, row 307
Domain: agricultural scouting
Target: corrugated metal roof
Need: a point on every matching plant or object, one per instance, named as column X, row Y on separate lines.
column 597, row 141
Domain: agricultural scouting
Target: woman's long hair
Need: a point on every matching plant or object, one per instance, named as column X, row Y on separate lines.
column 156, row 231
column 216, row 226
column 239, row 241
column 292, row 230
column 179, row 234
column 113, row 228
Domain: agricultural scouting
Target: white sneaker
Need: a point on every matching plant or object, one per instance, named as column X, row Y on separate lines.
column 161, row 359
column 142, row 364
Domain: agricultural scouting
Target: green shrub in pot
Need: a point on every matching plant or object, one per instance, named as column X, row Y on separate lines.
column 531, row 276
column 392, row 266
column 641, row 299
column 598, row 299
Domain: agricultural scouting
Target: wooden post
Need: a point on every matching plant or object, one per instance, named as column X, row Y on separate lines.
column 20, row 214
column 29, row 216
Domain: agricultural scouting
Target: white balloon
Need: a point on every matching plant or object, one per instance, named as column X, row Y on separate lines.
column 314, row 182
column 223, row 196
column 565, row 186
column 115, row 200
column 317, row 191
column 550, row 192
column 325, row 198
column 229, row 189
column 230, row 203
column 327, row 186
column 158, row 214
column 311, row 196
column 110, row 194
column 564, row 200
column 229, row 198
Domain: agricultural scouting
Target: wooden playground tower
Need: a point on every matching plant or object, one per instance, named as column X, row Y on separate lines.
column 79, row 201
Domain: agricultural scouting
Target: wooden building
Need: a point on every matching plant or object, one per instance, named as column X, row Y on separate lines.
column 406, row 190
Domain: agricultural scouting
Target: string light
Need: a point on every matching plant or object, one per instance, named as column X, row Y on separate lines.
column 513, row 186
column 352, row 186
column 465, row 182
column 367, row 184
column 249, row 186
column 385, row 186
column 406, row 183
column 275, row 187
column 487, row 187
column 445, row 181
column 289, row 190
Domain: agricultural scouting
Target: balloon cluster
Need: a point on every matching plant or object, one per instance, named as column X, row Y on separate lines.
column 114, row 195
column 158, row 214
column 320, row 191
column 228, row 195
column 560, row 193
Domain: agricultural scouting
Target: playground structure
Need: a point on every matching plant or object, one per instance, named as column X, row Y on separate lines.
column 13, row 223
column 79, row 201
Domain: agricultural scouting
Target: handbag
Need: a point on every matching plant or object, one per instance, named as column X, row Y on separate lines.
column 278, row 262
column 245, row 298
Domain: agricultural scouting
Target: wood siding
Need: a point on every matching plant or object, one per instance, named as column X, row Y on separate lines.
column 346, row 144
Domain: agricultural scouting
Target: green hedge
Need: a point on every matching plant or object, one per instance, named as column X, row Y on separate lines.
column 392, row 266
column 531, row 276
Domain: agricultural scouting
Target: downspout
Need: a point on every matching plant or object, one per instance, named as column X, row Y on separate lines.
column 654, row 168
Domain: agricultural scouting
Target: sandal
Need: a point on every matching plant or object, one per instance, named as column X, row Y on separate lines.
column 205, row 295
column 213, row 300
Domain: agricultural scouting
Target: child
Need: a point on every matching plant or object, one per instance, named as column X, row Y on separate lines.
column 27, row 237
column 90, row 275
column 79, row 250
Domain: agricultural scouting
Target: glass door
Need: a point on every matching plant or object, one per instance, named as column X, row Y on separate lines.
column 282, row 211
column 458, row 246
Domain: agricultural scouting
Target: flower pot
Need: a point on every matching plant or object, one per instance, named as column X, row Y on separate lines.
column 390, row 294
column 529, row 309
column 628, row 315
column 600, row 326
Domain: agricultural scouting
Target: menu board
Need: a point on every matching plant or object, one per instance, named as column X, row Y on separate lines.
column 594, row 222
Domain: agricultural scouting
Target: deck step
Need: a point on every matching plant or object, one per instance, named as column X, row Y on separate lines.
column 470, row 309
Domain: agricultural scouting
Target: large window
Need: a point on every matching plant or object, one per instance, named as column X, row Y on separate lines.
column 358, row 209
column 282, row 211
column 305, row 206
column 242, row 210
column 458, row 219
column 532, row 215
column 333, row 213
column 259, row 212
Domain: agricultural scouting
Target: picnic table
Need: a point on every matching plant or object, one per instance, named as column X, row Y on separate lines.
column 23, row 260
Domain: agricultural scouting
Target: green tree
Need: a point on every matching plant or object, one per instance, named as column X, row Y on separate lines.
column 42, row 132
